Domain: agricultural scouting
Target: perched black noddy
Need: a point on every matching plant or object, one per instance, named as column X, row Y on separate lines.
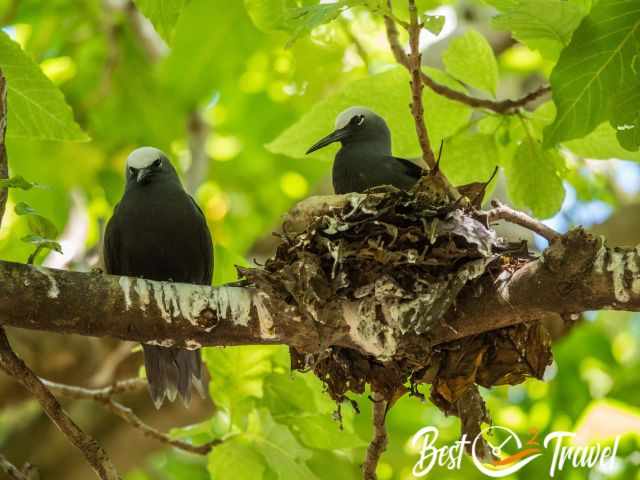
column 365, row 160
column 158, row 232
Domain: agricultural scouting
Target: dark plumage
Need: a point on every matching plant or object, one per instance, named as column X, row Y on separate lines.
column 365, row 160
column 159, row 233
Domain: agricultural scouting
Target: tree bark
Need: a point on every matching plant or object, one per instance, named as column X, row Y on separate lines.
column 578, row 272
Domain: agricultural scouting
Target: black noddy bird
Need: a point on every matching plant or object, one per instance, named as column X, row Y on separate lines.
column 158, row 232
column 365, row 160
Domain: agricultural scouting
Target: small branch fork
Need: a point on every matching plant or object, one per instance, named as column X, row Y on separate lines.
column 104, row 396
column 94, row 454
column 505, row 107
column 503, row 212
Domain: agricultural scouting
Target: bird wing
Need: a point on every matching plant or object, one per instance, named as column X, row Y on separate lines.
column 410, row 168
column 206, row 243
column 111, row 246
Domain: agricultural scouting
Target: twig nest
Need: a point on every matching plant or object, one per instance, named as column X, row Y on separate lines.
column 390, row 264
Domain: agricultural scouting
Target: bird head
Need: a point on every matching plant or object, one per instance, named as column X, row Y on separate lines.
column 148, row 164
column 358, row 125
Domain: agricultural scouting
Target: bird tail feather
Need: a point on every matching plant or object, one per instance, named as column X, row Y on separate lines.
column 172, row 372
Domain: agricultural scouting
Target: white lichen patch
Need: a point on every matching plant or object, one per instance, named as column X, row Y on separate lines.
column 54, row 291
column 125, row 286
column 193, row 345
column 190, row 301
column 601, row 255
column 142, row 289
column 371, row 336
column 161, row 343
column 265, row 320
column 617, row 266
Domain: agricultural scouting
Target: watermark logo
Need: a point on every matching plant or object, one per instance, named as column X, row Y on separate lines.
column 502, row 463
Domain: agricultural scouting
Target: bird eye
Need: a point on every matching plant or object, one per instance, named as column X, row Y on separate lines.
column 132, row 171
column 359, row 120
column 157, row 163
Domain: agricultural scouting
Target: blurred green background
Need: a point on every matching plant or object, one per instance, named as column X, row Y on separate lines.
column 215, row 84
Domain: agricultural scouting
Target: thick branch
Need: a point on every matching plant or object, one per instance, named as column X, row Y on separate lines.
column 576, row 273
column 93, row 453
column 506, row 107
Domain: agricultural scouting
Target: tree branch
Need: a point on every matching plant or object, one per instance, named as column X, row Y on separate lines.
column 28, row 472
column 414, row 65
column 503, row 212
column 597, row 277
column 93, row 453
column 4, row 166
column 379, row 441
column 104, row 396
column 506, row 107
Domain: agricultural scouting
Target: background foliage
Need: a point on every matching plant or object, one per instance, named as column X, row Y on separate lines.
column 91, row 80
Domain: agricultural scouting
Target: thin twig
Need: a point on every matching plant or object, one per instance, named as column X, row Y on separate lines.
column 28, row 471
column 94, row 454
column 503, row 212
column 506, row 107
column 4, row 165
column 414, row 65
column 104, row 396
column 198, row 135
column 379, row 441
column 417, row 109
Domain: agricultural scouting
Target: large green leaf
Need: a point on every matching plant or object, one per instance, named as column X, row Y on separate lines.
column 533, row 181
column 544, row 25
column 285, row 456
column 470, row 59
column 601, row 144
column 162, row 13
column 625, row 117
column 469, row 157
column 597, row 62
column 388, row 94
column 237, row 376
column 236, row 458
column 322, row 432
column 36, row 107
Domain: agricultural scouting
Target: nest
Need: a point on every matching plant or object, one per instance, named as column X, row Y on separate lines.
column 400, row 260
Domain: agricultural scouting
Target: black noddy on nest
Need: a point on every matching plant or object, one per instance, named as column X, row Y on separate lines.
column 365, row 160
column 157, row 232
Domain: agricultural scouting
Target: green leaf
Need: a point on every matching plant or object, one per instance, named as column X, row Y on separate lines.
column 597, row 62
column 601, row 144
column 36, row 107
column 269, row 15
column 280, row 449
column 625, row 116
column 543, row 25
column 225, row 265
column 469, row 157
column 470, row 59
column 533, row 181
column 237, row 376
column 237, row 458
column 39, row 225
column 42, row 243
column 387, row 94
column 322, row 432
column 17, row 182
column 162, row 13
column 434, row 23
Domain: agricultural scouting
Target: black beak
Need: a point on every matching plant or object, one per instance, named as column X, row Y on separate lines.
column 336, row 136
column 143, row 175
